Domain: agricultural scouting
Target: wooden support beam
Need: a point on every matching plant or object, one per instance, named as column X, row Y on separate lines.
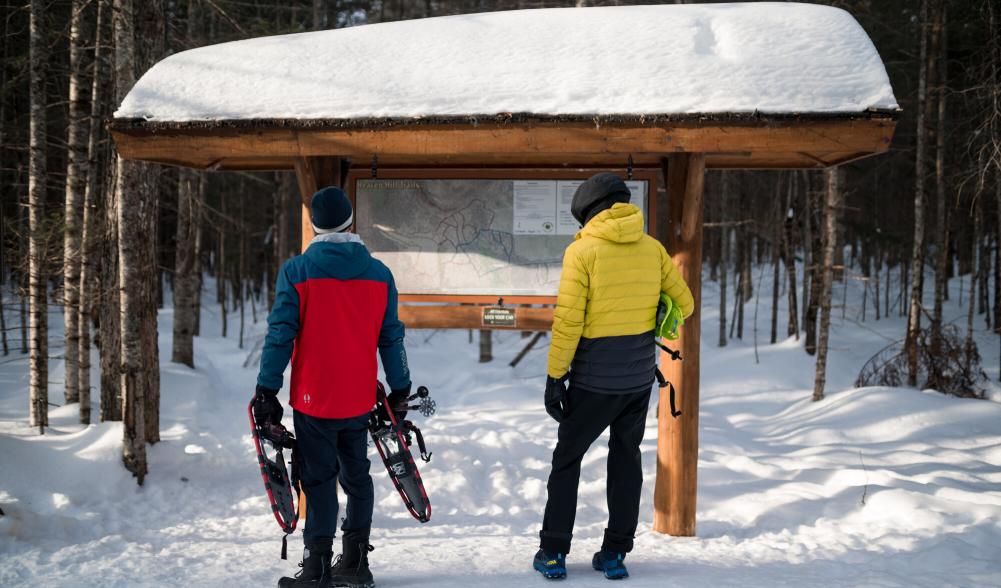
column 770, row 144
column 678, row 438
column 314, row 173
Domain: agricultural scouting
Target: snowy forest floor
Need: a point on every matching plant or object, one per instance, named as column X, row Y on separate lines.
column 871, row 487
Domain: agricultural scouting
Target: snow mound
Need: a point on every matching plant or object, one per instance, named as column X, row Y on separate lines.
column 681, row 59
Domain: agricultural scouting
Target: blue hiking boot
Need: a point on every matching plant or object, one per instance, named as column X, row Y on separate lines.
column 611, row 564
column 551, row 566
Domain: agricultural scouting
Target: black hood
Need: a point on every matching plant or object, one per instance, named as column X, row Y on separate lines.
column 599, row 192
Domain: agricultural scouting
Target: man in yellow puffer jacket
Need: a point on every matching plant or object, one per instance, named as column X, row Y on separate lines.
column 603, row 343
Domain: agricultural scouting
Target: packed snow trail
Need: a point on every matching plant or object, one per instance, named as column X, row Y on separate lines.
column 781, row 479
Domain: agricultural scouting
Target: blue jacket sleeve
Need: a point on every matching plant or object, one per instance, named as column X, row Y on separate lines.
column 283, row 327
column 391, row 350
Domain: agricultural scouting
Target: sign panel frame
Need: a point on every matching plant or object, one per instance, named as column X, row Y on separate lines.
column 649, row 175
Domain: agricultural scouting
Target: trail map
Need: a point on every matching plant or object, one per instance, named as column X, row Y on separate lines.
column 498, row 237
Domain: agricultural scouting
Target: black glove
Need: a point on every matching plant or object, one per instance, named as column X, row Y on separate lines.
column 397, row 398
column 267, row 409
column 556, row 397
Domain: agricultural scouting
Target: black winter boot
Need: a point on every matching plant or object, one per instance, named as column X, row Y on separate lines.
column 351, row 569
column 315, row 566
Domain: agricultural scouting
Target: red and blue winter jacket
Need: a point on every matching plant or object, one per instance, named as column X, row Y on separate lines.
column 334, row 305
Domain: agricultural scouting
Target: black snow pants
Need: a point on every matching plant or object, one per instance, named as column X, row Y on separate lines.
column 333, row 449
column 587, row 415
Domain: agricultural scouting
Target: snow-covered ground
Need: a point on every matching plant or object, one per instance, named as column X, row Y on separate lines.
column 871, row 487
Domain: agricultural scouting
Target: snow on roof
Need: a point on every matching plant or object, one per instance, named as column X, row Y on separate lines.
column 629, row 60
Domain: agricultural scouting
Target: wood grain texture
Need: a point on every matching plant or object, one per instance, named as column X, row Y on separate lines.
column 805, row 143
column 678, row 438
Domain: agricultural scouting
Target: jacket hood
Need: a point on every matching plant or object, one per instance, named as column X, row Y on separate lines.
column 339, row 255
column 622, row 223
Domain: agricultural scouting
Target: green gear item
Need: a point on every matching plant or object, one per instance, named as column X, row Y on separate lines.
column 669, row 319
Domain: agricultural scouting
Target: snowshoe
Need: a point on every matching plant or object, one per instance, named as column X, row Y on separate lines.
column 551, row 566
column 270, row 440
column 393, row 439
column 611, row 564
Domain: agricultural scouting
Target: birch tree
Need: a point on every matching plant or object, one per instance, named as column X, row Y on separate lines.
column 832, row 205
column 921, row 154
column 38, row 380
column 88, row 282
column 136, row 48
column 185, row 270
column 76, row 173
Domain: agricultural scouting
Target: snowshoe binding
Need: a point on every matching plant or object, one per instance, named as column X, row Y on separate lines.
column 393, row 439
column 282, row 487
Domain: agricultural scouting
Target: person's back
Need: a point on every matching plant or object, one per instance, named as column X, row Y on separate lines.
column 341, row 297
column 334, row 306
column 603, row 327
column 603, row 343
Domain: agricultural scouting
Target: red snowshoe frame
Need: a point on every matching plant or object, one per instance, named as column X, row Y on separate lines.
column 392, row 440
column 282, row 488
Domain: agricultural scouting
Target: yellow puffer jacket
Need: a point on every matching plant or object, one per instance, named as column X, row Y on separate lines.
column 613, row 274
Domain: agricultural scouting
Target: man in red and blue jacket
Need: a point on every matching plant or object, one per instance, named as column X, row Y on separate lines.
column 334, row 306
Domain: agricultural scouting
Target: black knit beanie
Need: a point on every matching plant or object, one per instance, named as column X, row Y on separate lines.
column 596, row 194
column 330, row 210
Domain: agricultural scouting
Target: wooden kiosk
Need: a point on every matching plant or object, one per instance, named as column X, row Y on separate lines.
column 671, row 150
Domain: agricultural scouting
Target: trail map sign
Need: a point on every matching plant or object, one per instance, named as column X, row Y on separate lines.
column 498, row 237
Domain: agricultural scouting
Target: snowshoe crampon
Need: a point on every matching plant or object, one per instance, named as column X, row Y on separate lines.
column 393, row 439
column 282, row 487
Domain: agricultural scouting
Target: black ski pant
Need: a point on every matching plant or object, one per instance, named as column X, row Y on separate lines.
column 332, row 450
column 586, row 416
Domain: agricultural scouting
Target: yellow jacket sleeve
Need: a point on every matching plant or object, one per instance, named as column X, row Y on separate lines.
column 568, row 318
column 674, row 286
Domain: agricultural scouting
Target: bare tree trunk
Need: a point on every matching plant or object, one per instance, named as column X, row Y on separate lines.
column 743, row 288
column 818, row 223
column 76, row 177
column 876, row 280
column 942, row 212
column 151, row 45
column 110, row 327
column 886, row 291
column 185, row 280
column 789, row 258
column 807, row 247
column 220, row 267
column 833, row 205
column 776, row 246
column 38, row 381
column 198, row 219
column 486, row 346
column 89, row 228
column 128, row 186
column 978, row 221
column 241, row 270
column 3, row 325
column 318, row 8
column 24, row 323
column 724, row 234
column 918, row 254
column 136, row 186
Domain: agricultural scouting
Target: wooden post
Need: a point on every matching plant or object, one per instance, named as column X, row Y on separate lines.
column 678, row 438
column 314, row 173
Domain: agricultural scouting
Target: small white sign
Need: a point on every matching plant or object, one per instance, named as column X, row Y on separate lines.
column 534, row 207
